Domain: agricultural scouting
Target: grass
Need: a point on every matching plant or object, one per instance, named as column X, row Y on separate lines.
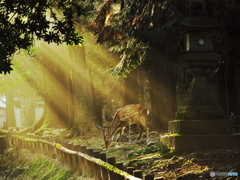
column 138, row 153
column 20, row 166
column 3, row 131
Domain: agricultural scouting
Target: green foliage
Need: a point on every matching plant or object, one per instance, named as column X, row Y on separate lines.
column 45, row 170
column 22, row 21
column 10, row 166
column 180, row 114
column 156, row 148
column 3, row 131
column 134, row 27
column 133, row 151
column 133, row 54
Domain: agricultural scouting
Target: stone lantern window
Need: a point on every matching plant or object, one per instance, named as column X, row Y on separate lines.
column 198, row 41
column 198, row 29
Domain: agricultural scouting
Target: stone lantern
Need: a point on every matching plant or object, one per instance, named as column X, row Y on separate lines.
column 199, row 120
column 198, row 59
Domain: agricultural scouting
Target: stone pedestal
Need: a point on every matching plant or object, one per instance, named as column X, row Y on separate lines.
column 192, row 135
column 200, row 102
column 199, row 120
column 200, row 127
column 190, row 143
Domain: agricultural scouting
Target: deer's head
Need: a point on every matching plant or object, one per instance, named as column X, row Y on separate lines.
column 106, row 136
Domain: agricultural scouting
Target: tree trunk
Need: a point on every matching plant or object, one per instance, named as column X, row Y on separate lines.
column 233, row 104
column 83, row 101
column 55, row 78
column 222, row 87
column 70, row 97
column 162, row 91
column 98, row 102
column 29, row 113
column 227, row 85
column 10, row 115
column 131, row 88
column 141, row 86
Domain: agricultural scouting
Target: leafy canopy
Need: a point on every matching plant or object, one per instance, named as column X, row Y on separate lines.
column 134, row 27
column 23, row 21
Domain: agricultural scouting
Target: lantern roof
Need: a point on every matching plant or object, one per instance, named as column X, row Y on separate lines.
column 198, row 19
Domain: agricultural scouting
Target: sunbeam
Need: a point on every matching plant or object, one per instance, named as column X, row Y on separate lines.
column 74, row 83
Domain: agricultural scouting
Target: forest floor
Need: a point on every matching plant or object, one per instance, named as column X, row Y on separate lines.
column 154, row 158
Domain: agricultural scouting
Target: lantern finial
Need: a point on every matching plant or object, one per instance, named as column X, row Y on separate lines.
column 197, row 8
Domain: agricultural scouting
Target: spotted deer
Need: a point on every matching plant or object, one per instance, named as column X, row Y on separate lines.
column 125, row 116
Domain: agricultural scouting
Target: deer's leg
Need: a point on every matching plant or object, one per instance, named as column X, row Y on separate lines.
column 147, row 133
column 143, row 129
column 121, row 132
column 139, row 137
column 129, row 128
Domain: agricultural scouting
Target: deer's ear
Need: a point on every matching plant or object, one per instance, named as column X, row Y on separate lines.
column 101, row 129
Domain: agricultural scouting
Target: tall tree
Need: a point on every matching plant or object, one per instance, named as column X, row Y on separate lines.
column 55, row 78
column 10, row 115
column 67, row 95
column 84, row 111
column 66, row 89
column 131, row 88
column 162, row 90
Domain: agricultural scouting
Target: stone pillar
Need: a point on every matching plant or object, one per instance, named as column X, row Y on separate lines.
column 200, row 102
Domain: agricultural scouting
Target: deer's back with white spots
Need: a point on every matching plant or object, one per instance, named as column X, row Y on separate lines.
column 133, row 114
column 125, row 116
